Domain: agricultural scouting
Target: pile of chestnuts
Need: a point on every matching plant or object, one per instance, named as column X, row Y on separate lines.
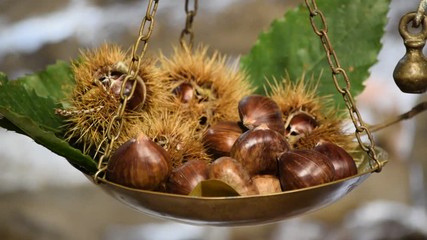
column 192, row 118
column 254, row 156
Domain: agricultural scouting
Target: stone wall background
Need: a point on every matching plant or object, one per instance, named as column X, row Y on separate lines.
column 43, row 197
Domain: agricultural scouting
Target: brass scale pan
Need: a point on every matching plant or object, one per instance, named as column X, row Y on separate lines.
column 242, row 210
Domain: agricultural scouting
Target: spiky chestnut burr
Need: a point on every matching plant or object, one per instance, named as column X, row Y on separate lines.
column 99, row 75
column 206, row 87
column 292, row 96
column 299, row 96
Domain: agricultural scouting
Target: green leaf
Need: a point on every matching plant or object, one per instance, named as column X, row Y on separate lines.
column 55, row 82
column 213, row 188
column 49, row 140
column 26, row 112
column 355, row 28
column 5, row 123
column 15, row 98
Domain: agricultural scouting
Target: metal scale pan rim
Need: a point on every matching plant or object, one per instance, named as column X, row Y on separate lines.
column 242, row 210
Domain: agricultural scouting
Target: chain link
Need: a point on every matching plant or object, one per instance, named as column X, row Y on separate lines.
column 138, row 51
column 422, row 7
column 339, row 73
column 188, row 30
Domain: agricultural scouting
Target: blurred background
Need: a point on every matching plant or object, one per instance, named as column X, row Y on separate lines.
column 43, row 197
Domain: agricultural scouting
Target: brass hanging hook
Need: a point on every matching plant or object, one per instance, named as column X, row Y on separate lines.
column 410, row 74
column 188, row 30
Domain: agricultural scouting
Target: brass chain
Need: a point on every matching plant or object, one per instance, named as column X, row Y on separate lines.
column 188, row 30
column 422, row 7
column 138, row 51
column 339, row 72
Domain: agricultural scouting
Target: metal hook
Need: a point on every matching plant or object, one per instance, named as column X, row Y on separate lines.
column 410, row 73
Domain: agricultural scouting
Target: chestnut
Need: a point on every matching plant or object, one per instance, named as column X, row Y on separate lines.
column 266, row 184
column 342, row 161
column 184, row 92
column 258, row 149
column 300, row 123
column 232, row 172
column 255, row 110
column 138, row 98
column 219, row 138
column 183, row 179
column 304, row 168
column 139, row 163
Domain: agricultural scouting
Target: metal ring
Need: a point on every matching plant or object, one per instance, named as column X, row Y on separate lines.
column 412, row 38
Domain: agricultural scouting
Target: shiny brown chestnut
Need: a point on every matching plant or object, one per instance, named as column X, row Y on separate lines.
column 232, row 172
column 258, row 150
column 139, row 163
column 255, row 110
column 183, row 179
column 300, row 123
column 137, row 100
column 184, row 92
column 342, row 161
column 266, row 184
column 219, row 138
column 304, row 168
